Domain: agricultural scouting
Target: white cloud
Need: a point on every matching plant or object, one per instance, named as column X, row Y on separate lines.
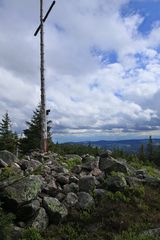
column 86, row 96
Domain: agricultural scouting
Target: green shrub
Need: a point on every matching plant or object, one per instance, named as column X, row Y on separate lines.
column 5, row 225
column 119, row 174
column 137, row 191
column 38, row 170
column 152, row 171
column 131, row 235
column 32, row 234
column 7, row 172
column 70, row 163
column 86, row 215
column 73, row 162
column 69, row 232
column 117, row 196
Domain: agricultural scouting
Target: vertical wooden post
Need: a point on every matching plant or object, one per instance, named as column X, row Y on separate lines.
column 44, row 134
column 43, row 95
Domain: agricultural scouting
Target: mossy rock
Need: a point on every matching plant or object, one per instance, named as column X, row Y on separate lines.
column 55, row 209
column 24, row 190
column 9, row 175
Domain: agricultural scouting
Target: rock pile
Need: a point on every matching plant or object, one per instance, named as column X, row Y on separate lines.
column 42, row 188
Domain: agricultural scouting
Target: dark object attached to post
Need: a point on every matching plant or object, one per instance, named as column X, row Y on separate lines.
column 48, row 111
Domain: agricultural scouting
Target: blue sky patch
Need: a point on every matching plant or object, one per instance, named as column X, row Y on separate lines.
column 149, row 9
column 106, row 57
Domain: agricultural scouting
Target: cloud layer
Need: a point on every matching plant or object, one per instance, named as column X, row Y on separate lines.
column 102, row 71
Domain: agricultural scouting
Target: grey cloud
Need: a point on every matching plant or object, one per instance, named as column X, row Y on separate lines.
column 71, row 68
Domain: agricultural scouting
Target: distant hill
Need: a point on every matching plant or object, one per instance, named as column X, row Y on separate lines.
column 132, row 145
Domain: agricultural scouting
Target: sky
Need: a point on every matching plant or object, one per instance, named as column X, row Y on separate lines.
column 102, row 67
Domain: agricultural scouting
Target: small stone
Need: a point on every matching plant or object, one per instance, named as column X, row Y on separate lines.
column 96, row 172
column 24, row 164
column 71, row 199
column 60, row 196
column 72, row 187
column 62, row 179
column 73, row 179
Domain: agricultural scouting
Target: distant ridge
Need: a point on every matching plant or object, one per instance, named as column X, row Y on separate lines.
column 131, row 145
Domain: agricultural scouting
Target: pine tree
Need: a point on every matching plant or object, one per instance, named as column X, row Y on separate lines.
column 150, row 149
column 32, row 135
column 8, row 139
column 141, row 154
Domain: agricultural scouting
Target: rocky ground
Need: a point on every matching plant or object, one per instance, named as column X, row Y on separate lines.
column 78, row 197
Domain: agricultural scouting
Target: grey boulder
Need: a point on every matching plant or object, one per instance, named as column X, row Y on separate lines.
column 23, row 191
column 87, row 184
column 55, row 209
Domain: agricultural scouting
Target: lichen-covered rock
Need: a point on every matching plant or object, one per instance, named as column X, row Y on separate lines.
column 85, row 200
column 88, row 158
column 61, row 169
column 115, row 183
column 55, row 209
column 40, row 221
column 107, row 153
column 134, row 181
column 141, row 173
column 23, row 191
column 27, row 211
column 3, row 164
column 51, row 188
column 72, row 187
column 9, row 175
column 87, row 184
column 8, row 157
column 90, row 164
column 152, row 181
column 110, row 164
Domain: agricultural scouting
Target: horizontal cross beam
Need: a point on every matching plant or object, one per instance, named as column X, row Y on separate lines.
column 44, row 19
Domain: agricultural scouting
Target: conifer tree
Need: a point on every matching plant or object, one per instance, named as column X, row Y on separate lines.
column 32, row 135
column 8, row 139
column 150, row 149
column 141, row 154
